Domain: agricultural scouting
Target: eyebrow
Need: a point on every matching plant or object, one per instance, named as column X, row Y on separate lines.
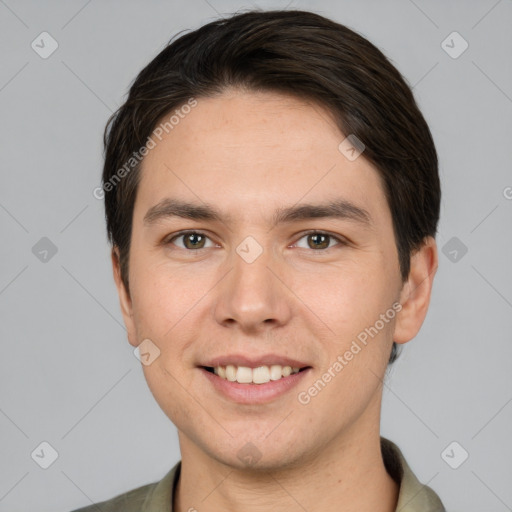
column 336, row 209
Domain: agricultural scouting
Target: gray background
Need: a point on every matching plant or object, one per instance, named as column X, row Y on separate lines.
column 67, row 373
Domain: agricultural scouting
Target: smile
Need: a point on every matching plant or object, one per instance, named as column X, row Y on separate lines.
column 247, row 375
column 257, row 386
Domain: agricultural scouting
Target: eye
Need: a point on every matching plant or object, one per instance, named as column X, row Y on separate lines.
column 195, row 240
column 320, row 240
column 192, row 240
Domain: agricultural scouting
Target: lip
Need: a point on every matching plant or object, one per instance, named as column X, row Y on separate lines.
column 254, row 393
column 254, row 362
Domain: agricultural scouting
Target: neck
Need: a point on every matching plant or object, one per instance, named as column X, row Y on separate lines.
column 346, row 474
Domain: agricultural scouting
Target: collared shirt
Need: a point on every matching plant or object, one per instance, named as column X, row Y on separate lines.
column 158, row 496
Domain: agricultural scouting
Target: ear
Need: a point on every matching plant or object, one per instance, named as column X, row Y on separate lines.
column 124, row 298
column 415, row 294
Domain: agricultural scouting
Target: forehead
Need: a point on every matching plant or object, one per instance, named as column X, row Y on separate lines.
column 249, row 119
column 253, row 149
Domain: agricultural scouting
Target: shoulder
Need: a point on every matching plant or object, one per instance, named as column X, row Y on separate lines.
column 153, row 496
column 130, row 501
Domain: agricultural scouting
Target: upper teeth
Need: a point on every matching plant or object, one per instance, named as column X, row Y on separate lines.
column 260, row 375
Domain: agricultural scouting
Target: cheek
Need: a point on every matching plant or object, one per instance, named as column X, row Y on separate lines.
column 169, row 309
column 352, row 298
column 161, row 298
column 168, row 388
column 357, row 352
column 358, row 344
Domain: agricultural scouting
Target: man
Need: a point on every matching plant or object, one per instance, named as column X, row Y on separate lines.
column 272, row 198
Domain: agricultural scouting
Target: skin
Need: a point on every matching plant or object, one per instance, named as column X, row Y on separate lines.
column 247, row 154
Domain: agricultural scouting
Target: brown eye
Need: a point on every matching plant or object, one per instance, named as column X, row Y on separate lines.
column 192, row 240
column 318, row 240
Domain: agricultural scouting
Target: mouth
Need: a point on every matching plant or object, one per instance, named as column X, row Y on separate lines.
column 259, row 375
column 250, row 386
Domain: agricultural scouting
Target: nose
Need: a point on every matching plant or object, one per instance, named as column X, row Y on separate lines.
column 253, row 297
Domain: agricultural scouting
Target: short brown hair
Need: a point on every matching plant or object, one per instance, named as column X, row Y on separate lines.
column 297, row 53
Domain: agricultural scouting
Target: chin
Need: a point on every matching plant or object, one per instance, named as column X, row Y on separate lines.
column 255, row 453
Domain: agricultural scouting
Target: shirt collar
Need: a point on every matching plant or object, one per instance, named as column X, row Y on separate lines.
column 413, row 495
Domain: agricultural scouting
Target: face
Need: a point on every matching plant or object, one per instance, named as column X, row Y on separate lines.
column 275, row 277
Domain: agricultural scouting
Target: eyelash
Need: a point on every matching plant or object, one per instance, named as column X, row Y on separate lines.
column 340, row 241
